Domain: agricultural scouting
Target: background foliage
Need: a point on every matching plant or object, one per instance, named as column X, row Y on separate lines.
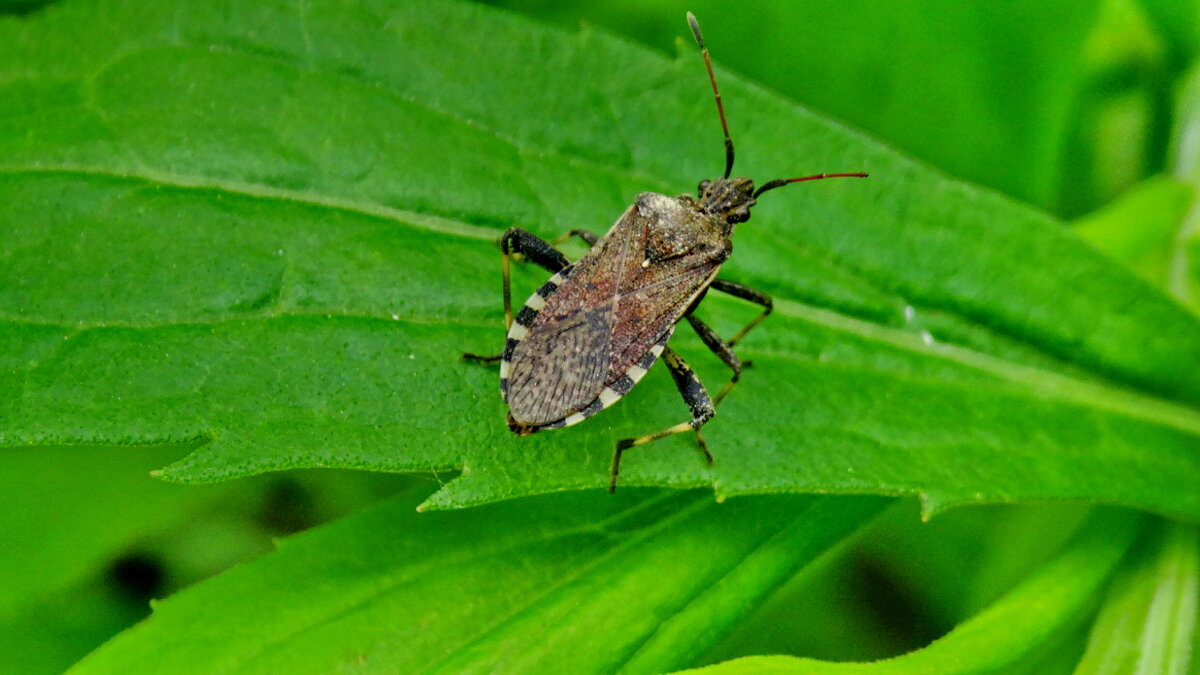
column 246, row 239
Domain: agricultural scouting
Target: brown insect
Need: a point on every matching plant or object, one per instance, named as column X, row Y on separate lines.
column 592, row 331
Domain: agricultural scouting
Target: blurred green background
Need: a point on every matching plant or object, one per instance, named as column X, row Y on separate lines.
column 1068, row 105
column 1061, row 104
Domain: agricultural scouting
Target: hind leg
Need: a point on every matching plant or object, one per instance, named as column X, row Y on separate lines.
column 694, row 394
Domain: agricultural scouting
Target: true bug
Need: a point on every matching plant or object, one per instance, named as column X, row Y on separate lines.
column 592, row 331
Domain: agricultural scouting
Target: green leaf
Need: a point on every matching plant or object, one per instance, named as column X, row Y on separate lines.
column 1184, row 266
column 641, row 582
column 1014, row 628
column 268, row 228
column 1141, row 228
column 20, row 6
column 1118, row 120
column 1148, row 621
column 1155, row 226
column 71, row 514
column 1179, row 25
column 903, row 582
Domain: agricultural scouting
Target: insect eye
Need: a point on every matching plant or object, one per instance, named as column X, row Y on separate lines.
column 738, row 217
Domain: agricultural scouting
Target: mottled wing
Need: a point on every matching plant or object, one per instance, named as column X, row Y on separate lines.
column 560, row 367
column 649, row 306
column 586, row 327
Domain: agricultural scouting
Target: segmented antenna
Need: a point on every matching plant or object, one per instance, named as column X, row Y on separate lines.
column 780, row 182
column 691, row 18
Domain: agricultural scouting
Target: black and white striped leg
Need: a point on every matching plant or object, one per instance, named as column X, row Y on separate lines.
column 698, row 401
column 722, row 350
column 518, row 242
column 746, row 293
column 590, row 238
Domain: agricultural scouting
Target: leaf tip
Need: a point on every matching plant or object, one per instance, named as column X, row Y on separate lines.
column 932, row 504
column 719, row 494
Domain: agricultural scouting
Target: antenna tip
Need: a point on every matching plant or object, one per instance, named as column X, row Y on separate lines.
column 695, row 25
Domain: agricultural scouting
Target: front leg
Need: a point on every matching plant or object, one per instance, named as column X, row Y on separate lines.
column 518, row 242
column 534, row 249
column 590, row 238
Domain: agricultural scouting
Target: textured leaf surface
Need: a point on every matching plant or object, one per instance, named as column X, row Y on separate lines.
column 641, row 582
column 268, row 228
column 1013, row 629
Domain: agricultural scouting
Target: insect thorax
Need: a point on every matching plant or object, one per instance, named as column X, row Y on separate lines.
column 678, row 226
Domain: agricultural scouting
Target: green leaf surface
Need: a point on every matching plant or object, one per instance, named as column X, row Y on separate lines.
column 1148, row 621
column 1119, row 119
column 1014, row 628
column 21, row 6
column 1178, row 23
column 268, row 228
column 641, row 582
column 68, row 514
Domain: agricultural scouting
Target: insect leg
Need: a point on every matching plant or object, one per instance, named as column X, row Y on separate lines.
column 590, row 238
column 746, row 293
column 516, row 241
column 721, row 349
column 486, row 359
column 694, row 395
column 534, row 249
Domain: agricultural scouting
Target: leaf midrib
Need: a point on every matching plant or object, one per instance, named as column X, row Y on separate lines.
column 1040, row 382
column 1034, row 382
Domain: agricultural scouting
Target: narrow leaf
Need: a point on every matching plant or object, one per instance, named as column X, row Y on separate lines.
column 998, row 638
column 1141, row 229
column 637, row 582
column 1148, row 622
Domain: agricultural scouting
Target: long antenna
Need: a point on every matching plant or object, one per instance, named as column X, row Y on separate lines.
column 780, row 182
column 691, row 18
